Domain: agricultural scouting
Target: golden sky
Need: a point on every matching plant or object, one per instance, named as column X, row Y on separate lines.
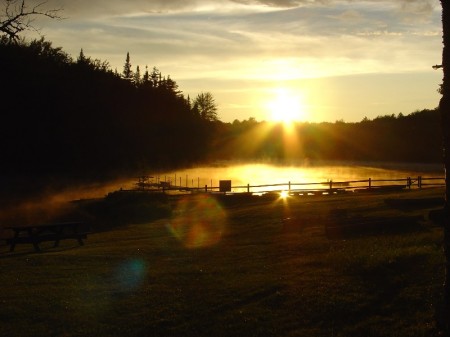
column 320, row 60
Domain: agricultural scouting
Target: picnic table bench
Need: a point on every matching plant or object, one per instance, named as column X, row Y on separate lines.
column 35, row 234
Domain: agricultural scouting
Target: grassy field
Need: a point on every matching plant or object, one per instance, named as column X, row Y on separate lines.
column 262, row 267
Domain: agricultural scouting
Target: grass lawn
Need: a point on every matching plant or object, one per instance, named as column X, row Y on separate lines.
column 263, row 267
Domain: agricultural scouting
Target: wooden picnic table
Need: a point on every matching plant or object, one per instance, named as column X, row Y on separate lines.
column 35, row 234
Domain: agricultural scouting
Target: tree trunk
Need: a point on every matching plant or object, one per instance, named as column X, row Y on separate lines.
column 444, row 107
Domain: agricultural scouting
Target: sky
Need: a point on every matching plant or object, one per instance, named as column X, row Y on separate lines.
column 311, row 60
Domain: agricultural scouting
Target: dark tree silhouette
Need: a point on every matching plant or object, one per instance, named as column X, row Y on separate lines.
column 17, row 17
column 127, row 72
column 137, row 76
column 206, row 106
column 155, row 77
column 444, row 106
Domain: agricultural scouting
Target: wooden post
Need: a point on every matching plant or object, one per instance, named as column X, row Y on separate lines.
column 206, row 188
column 370, row 182
column 248, row 188
column 331, row 185
column 289, row 187
column 408, row 182
column 419, row 181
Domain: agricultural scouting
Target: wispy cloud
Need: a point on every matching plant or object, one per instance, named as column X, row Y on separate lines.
column 254, row 39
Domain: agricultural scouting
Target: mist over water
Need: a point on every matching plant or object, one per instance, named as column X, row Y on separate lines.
column 242, row 174
column 51, row 203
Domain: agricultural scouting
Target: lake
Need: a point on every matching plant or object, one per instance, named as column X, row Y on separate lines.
column 256, row 174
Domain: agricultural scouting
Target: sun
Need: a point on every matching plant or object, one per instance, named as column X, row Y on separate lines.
column 286, row 107
column 284, row 194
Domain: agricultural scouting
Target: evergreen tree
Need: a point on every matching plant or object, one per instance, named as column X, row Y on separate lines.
column 170, row 85
column 155, row 77
column 146, row 77
column 137, row 76
column 81, row 58
column 127, row 72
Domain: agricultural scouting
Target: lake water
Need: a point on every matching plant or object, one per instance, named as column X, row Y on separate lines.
column 243, row 174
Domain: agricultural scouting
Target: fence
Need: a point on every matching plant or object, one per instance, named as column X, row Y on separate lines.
column 328, row 187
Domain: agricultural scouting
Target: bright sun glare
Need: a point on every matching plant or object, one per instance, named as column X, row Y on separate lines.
column 284, row 194
column 286, row 107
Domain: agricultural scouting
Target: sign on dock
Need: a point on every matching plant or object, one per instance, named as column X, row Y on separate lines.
column 225, row 186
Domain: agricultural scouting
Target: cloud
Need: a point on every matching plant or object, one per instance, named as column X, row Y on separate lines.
column 285, row 3
column 104, row 8
column 412, row 9
column 350, row 37
column 418, row 6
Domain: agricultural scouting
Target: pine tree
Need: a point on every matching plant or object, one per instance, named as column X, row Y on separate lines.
column 127, row 72
column 146, row 77
column 137, row 76
column 171, row 85
column 81, row 58
column 155, row 77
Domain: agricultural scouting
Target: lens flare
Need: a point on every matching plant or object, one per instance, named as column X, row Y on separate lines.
column 130, row 274
column 199, row 221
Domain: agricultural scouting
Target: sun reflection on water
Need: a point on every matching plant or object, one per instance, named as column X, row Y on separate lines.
column 284, row 195
column 254, row 174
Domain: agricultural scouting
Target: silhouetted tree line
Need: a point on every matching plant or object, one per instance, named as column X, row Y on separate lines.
column 65, row 116
column 416, row 137
column 79, row 118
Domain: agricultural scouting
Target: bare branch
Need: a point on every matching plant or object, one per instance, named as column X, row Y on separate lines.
column 17, row 17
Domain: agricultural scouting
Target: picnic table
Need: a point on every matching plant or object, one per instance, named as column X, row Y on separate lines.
column 35, row 234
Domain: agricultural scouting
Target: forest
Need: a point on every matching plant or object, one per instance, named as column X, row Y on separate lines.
column 77, row 118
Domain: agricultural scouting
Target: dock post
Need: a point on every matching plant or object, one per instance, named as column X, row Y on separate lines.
column 370, row 182
column 206, row 188
column 289, row 187
column 419, row 181
column 248, row 188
